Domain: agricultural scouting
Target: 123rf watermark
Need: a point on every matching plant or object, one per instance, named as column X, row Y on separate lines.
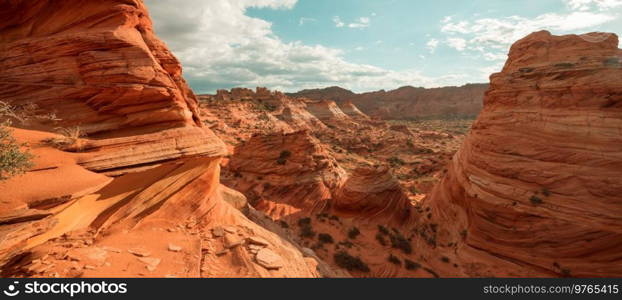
column 70, row 289
column 569, row 289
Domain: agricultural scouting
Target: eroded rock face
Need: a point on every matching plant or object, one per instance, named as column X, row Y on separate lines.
column 285, row 172
column 142, row 172
column 326, row 110
column 372, row 193
column 536, row 183
column 351, row 110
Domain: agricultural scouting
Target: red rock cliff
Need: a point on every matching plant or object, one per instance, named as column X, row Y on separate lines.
column 536, row 185
column 142, row 188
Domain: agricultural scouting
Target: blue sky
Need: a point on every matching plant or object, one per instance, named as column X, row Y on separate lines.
column 361, row 45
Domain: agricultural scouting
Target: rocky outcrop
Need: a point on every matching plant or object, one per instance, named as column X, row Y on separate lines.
column 282, row 174
column 535, row 189
column 351, row 110
column 136, row 167
column 372, row 193
column 408, row 102
column 326, row 111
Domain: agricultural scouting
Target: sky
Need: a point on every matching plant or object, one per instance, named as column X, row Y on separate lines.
column 361, row 45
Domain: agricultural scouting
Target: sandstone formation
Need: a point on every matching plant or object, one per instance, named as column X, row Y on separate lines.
column 373, row 193
column 135, row 166
column 408, row 102
column 351, row 110
column 285, row 173
column 326, row 110
column 535, row 189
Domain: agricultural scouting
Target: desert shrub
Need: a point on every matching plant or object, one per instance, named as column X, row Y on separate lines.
column 349, row 262
column 282, row 159
column 399, row 242
column 546, row 192
column 13, row 161
column 283, row 224
column 383, row 230
column 353, row 233
column 535, row 200
column 306, row 230
column 445, row 259
column 285, row 154
column 394, row 260
column 380, row 239
column 411, row 265
column 431, row 272
column 564, row 65
column 304, row 221
column 70, row 139
column 325, row 238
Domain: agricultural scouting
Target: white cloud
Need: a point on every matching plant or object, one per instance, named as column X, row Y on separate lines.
column 304, row 20
column 221, row 47
column 338, row 22
column 362, row 22
column 492, row 37
column 432, row 44
column 457, row 43
column 585, row 5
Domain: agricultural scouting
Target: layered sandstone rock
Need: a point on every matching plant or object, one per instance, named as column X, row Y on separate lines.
column 351, row 110
column 285, row 173
column 372, row 193
column 535, row 189
column 408, row 102
column 326, row 111
column 139, row 169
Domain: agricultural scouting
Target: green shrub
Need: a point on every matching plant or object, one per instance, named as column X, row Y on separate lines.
column 535, row 200
column 307, row 232
column 411, row 265
column 353, row 233
column 325, row 238
column 13, row 161
column 399, row 242
column 380, row 239
column 304, row 221
column 285, row 154
column 383, row 230
column 394, row 260
column 349, row 262
column 445, row 259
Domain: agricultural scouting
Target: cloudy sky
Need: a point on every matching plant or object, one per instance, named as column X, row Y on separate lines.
column 362, row 45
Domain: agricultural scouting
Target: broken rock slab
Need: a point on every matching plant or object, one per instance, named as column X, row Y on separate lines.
column 268, row 259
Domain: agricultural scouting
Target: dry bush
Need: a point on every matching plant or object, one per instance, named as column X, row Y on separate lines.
column 70, row 139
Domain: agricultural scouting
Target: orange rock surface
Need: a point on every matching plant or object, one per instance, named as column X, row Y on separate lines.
column 535, row 189
column 136, row 191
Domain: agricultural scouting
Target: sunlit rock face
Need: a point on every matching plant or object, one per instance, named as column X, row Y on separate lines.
column 537, row 181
